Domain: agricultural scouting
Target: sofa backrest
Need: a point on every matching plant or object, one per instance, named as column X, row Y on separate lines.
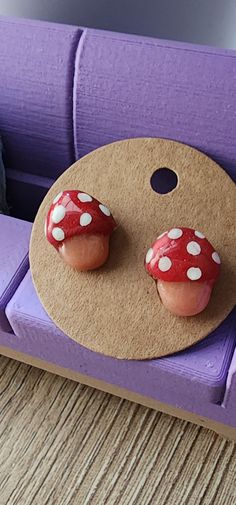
column 66, row 91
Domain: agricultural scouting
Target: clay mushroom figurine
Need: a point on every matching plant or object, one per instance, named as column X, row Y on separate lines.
column 79, row 227
column 186, row 267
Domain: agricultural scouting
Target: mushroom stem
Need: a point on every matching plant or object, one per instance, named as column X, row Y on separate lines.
column 184, row 298
column 85, row 252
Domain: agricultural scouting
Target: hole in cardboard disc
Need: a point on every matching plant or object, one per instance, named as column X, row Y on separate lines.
column 164, row 180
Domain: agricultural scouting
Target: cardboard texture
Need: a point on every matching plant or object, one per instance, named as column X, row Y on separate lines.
column 116, row 310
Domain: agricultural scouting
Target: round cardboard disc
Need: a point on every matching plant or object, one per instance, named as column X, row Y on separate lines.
column 116, row 310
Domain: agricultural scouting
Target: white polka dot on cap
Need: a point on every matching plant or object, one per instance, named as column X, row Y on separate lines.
column 175, row 233
column 194, row 273
column 216, row 258
column 104, row 210
column 58, row 234
column 85, row 219
column 57, row 197
column 149, row 255
column 83, row 197
column 199, row 234
column 58, row 214
column 164, row 264
column 193, row 248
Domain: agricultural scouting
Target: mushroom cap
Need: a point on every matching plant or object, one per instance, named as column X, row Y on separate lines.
column 181, row 255
column 73, row 213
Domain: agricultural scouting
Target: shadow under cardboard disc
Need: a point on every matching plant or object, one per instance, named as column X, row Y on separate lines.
column 115, row 310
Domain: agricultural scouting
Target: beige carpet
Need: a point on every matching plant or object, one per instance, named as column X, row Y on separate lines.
column 64, row 443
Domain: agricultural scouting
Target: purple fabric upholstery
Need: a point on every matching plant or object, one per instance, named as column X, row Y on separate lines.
column 178, row 379
column 36, row 88
column 130, row 86
column 14, row 239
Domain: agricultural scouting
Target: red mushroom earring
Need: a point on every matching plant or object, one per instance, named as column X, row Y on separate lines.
column 186, row 267
column 79, row 227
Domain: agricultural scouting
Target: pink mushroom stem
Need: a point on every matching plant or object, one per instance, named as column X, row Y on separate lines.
column 184, row 298
column 85, row 252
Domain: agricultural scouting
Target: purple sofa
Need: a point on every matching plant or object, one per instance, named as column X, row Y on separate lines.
column 65, row 91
